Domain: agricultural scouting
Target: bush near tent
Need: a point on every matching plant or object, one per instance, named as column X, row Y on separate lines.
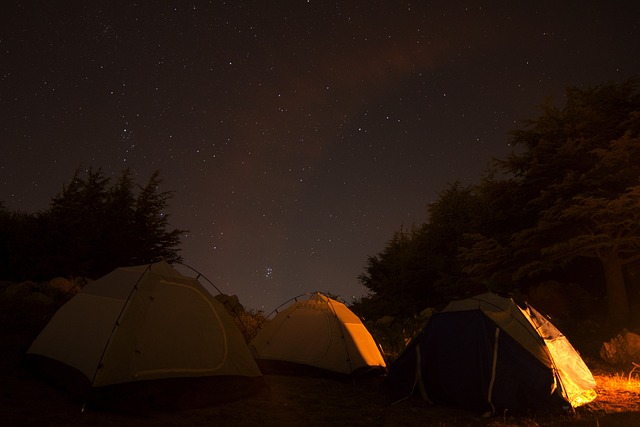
column 318, row 335
column 488, row 354
column 248, row 321
column 145, row 335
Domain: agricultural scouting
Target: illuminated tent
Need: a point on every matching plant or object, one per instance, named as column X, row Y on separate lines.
column 143, row 331
column 488, row 354
column 320, row 333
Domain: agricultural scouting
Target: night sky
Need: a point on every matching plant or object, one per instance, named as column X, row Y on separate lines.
column 297, row 136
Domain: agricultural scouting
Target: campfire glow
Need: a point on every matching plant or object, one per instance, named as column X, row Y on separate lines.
column 620, row 388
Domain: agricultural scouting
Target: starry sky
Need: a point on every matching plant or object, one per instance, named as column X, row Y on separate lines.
column 297, row 136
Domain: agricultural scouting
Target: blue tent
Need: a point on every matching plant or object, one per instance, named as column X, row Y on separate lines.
column 488, row 354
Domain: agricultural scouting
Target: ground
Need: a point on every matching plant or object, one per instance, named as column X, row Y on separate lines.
column 26, row 400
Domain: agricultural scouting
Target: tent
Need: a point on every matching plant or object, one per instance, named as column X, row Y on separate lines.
column 319, row 333
column 488, row 354
column 142, row 331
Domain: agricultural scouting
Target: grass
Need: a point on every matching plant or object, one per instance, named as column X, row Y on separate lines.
column 617, row 393
column 619, row 383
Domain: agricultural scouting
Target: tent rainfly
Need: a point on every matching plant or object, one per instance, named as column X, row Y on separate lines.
column 488, row 354
column 142, row 329
column 320, row 333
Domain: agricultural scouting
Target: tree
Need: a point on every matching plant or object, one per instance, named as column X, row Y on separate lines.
column 568, row 195
column 76, row 224
column 151, row 223
column 487, row 255
column 90, row 228
column 18, row 231
column 452, row 217
column 419, row 268
column 393, row 276
column 581, row 172
column 119, row 246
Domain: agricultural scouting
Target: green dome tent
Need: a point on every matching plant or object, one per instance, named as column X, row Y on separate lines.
column 141, row 333
column 487, row 354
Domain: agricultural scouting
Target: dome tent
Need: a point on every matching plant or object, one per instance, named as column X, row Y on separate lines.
column 488, row 354
column 319, row 333
column 141, row 333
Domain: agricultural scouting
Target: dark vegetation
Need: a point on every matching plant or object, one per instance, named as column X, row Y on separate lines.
column 557, row 222
column 91, row 227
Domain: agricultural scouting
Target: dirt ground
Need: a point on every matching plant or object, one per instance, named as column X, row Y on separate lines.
column 287, row 401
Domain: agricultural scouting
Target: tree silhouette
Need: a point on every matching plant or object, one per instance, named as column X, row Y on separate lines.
column 90, row 228
column 151, row 222
column 419, row 268
column 580, row 174
column 568, row 194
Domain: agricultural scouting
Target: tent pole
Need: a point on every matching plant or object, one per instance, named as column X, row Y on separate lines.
column 117, row 324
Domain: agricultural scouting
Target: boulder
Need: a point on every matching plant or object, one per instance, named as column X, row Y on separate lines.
column 40, row 299
column 385, row 321
column 22, row 289
column 623, row 350
column 426, row 314
column 63, row 285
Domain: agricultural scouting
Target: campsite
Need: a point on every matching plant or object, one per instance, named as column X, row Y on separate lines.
column 286, row 399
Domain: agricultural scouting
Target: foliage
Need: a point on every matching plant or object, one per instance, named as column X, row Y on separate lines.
column 394, row 335
column 18, row 240
column 568, row 196
column 395, row 274
column 586, row 157
column 420, row 268
column 90, row 228
column 249, row 322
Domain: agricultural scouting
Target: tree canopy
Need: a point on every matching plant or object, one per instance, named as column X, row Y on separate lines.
column 91, row 227
column 581, row 172
column 568, row 195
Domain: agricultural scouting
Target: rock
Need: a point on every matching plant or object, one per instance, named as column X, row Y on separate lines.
column 40, row 298
column 385, row 321
column 622, row 350
column 426, row 313
column 22, row 289
column 63, row 285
